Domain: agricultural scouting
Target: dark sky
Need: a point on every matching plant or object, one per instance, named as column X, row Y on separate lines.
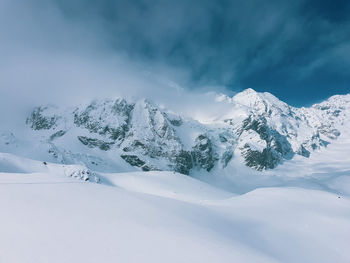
column 298, row 50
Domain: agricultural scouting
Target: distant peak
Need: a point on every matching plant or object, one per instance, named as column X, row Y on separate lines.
column 248, row 91
column 247, row 94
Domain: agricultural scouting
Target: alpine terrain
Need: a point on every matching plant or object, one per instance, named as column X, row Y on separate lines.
column 259, row 130
column 127, row 180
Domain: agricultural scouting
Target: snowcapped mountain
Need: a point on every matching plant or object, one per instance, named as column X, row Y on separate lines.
column 258, row 130
column 266, row 163
column 271, row 131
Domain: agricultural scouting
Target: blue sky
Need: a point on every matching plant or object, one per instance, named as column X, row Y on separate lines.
column 298, row 50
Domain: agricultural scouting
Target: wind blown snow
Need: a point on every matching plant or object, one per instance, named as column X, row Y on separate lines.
column 161, row 217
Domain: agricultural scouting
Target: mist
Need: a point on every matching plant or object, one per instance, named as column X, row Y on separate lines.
column 177, row 54
column 47, row 59
column 297, row 50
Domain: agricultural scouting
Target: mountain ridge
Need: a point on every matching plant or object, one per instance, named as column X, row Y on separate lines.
column 119, row 134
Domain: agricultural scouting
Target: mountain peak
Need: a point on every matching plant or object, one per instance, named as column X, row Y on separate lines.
column 248, row 91
column 254, row 126
column 259, row 101
column 240, row 97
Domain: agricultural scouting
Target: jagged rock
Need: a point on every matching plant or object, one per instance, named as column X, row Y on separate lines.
column 151, row 134
column 329, row 131
column 175, row 120
column 56, row 135
column 39, row 121
column 133, row 160
column 226, row 158
column 267, row 159
column 83, row 174
column 203, row 153
column 261, row 129
column 302, row 151
column 136, row 161
column 92, row 143
column 183, row 162
column 109, row 118
column 274, row 147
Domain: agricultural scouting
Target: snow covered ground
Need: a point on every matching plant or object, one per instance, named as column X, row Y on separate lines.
column 327, row 169
column 298, row 212
column 162, row 217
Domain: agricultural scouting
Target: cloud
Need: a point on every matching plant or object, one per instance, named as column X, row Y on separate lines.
column 63, row 52
column 49, row 59
column 238, row 44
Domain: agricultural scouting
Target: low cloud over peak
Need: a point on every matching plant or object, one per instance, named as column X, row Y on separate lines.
column 67, row 51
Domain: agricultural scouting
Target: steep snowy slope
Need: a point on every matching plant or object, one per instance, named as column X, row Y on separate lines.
column 10, row 163
column 271, row 131
column 167, row 184
column 328, row 167
column 96, row 193
column 48, row 217
column 58, row 213
column 121, row 135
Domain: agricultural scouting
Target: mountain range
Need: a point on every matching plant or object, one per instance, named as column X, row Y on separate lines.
column 258, row 131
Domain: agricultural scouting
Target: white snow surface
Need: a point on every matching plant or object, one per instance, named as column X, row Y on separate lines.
column 48, row 216
column 157, row 136
column 297, row 212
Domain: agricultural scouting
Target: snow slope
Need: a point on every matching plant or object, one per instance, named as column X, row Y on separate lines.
column 85, row 199
column 50, row 216
column 166, row 184
column 327, row 169
column 119, row 135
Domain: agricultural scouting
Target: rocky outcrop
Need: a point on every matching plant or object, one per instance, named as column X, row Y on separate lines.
column 108, row 118
column 40, row 119
column 260, row 129
column 92, row 143
column 203, row 153
column 267, row 149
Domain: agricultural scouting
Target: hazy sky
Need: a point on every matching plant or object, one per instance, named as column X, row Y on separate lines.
column 64, row 50
column 299, row 50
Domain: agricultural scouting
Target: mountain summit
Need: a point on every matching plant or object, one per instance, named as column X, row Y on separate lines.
column 259, row 131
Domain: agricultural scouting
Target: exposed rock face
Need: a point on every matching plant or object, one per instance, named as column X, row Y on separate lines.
column 58, row 134
column 260, row 129
column 92, row 143
column 273, row 131
column 150, row 133
column 41, row 119
column 133, row 160
column 269, row 147
column 203, row 153
column 82, row 174
column 109, row 118
column 183, row 162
